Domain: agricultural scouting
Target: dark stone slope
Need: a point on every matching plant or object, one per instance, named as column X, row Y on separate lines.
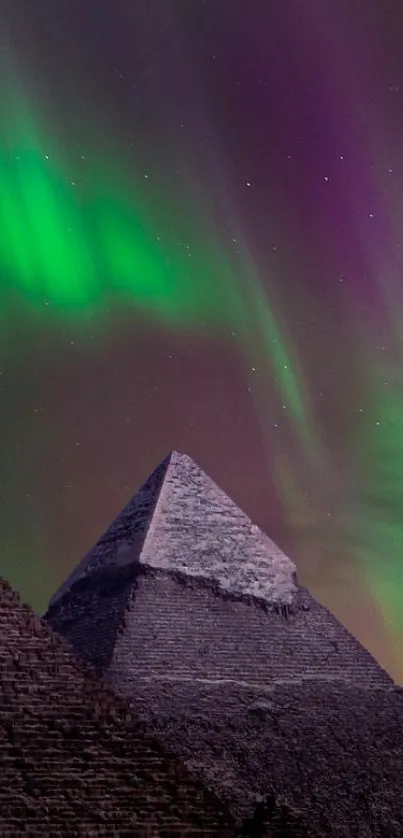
column 75, row 759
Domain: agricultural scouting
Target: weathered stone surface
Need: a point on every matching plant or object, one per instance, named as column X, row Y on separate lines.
column 181, row 520
column 75, row 759
column 145, row 624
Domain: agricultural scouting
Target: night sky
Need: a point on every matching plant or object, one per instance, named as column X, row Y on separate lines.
column 201, row 249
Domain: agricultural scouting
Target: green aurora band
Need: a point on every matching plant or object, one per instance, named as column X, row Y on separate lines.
column 377, row 527
column 76, row 244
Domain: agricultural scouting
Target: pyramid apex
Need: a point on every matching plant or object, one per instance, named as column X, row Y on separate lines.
column 180, row 455
column 180, row 520
column 175, row 455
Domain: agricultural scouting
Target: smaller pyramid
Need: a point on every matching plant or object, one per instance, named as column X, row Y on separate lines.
column 181, row 520
column 75, row 758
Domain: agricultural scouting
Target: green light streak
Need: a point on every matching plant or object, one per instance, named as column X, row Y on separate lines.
column 263, row 332
column 378, row 519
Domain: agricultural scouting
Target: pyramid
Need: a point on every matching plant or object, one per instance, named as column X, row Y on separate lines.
column 191, row 613
column 75, row 758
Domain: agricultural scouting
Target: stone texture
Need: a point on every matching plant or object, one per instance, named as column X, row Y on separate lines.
column 267, row 698
column 181, row 520
column 75, row 759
